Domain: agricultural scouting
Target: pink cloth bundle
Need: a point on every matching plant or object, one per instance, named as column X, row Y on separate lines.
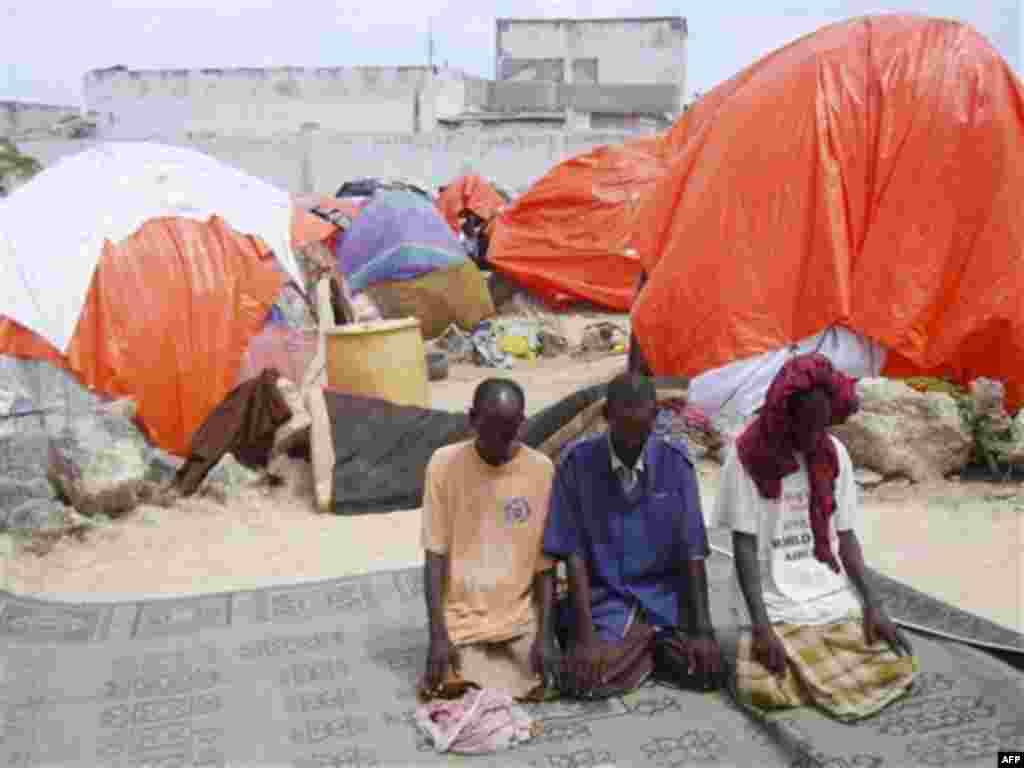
column 480, row 722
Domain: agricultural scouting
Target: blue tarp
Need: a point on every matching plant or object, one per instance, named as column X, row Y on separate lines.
column 398, row 235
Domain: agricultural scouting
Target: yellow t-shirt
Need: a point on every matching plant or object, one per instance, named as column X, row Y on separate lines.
column 489, row 521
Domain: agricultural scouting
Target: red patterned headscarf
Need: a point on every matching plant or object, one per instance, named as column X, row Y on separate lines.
column 767, row 447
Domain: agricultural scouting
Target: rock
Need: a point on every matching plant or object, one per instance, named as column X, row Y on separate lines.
column 162, row 467
column 23, row 456
column 901, row 432
column 16, row 492
column 228, row 478
column 100, row 461
column 87, row 453
column 34, row 514
column 158, row 494
column 868, row 479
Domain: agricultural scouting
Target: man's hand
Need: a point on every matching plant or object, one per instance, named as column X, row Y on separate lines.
column 768, row 649
column 441, row 655
column 546, row 662
column 585, row 669
column 705, row 659
column 878, row 626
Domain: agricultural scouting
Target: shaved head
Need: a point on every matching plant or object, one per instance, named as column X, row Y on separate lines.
column 630, row 389
column 492, row 392
column 497, row 416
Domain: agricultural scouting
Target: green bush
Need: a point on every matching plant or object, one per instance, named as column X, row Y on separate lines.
column 993, row 441
column 15, row 165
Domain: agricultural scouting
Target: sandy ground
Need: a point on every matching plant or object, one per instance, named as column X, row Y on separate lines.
column 963, row 543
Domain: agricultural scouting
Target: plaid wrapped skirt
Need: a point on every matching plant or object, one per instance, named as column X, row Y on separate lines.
column 829, row 666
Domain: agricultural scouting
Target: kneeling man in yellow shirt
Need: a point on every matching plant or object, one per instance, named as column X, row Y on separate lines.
column 489, row 590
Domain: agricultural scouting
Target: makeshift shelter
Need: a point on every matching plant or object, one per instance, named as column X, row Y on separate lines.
column 867, row 178
column 469, row 193
column 403, row 254
column 398, row 235
column 152, row 284
column 568, row 238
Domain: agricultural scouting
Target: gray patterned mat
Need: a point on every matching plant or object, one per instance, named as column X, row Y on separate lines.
column 321, row 676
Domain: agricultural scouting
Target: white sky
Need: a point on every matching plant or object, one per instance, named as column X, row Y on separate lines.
column 48, row 47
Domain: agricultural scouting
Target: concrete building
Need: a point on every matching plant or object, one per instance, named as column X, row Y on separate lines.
column 19, row 118
column 252, row 102
column 608, row 74
column 625, row 74
column 625, row 51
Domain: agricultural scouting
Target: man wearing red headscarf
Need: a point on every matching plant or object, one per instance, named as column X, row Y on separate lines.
column 817, row 635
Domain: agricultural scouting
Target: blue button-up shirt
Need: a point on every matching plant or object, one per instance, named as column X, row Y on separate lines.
column 634, row 544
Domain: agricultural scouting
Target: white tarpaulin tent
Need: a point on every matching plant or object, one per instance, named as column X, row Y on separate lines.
column 735, row 391
column 53, row 228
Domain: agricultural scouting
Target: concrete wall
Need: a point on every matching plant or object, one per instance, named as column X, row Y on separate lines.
column 272, row 102
column 513, row 96
column 320, row 162
column 593, row 51
column 17, row 117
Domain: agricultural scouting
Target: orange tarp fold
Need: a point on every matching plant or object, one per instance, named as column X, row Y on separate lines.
column 870, row 175
column 567, row 239
column 308, row 228
column 166, row 320
column 18, row 341
column 470, row 192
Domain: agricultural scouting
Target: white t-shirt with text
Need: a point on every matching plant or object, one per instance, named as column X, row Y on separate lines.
column 797, row 588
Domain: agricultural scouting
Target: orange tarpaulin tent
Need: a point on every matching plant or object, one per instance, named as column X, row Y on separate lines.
column 471, row 193
column 870, row 175
column 167, row 317
column 568, row 238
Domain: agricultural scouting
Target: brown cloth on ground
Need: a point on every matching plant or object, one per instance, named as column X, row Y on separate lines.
column 244, row 424
column 626, row 664
column 643, row 653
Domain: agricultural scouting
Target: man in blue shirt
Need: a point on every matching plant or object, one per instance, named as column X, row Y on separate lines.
column 625, row 516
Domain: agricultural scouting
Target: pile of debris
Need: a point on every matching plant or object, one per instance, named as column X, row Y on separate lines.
column 498, row 343
column 524, row 329
column 927, row 433
column 69, row 459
